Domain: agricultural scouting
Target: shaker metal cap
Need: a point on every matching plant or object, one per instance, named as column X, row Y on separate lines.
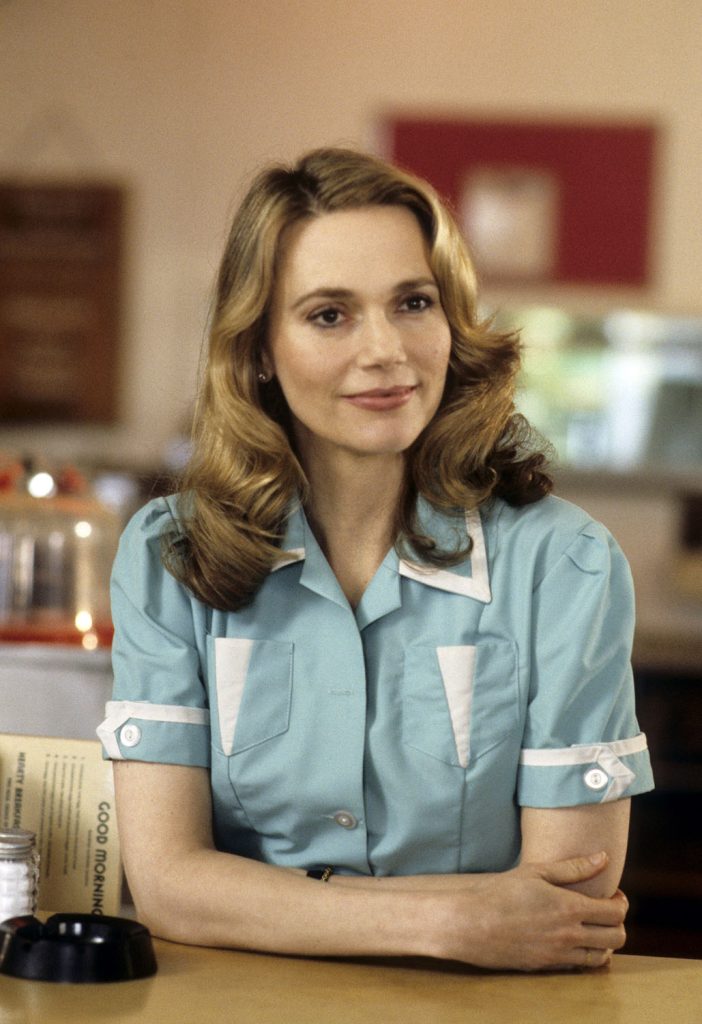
column 16, row 843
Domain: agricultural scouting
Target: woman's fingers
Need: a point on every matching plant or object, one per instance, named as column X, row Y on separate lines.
column 573, row 870
column 598, row 943
column 589, row 959
column 596, row 911
column 604, row 938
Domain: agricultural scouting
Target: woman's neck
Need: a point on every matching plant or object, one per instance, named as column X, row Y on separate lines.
column 352, row 509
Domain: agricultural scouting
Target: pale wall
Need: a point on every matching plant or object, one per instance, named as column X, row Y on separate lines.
column 182, row 99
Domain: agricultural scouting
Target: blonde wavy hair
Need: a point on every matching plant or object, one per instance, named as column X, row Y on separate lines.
column 237, row 490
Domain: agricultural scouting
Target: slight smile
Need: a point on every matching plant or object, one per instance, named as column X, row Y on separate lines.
column 382, row 399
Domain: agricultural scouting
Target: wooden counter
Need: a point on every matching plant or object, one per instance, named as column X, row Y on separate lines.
column 202, row 985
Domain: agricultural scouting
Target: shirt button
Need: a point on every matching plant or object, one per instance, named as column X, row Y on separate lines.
column 345, row 819
column 596, row 779
column 130, row 735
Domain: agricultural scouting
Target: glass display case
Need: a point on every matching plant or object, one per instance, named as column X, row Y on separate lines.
column 621, row 392
column 57, row 542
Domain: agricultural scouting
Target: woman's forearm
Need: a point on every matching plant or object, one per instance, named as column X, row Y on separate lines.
column 410, row 883
column 187, row 891
column 524, row 919
column 218, row 899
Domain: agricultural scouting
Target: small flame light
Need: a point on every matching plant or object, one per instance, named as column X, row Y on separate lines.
column 83, row 621
column 90, row 641
column 41, row 485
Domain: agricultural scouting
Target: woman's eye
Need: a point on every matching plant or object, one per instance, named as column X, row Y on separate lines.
column 328, row 317
column 417, row 303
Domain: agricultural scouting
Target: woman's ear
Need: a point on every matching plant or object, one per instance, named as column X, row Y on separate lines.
column 265, row 367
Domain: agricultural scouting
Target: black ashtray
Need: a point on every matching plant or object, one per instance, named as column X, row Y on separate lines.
column 76, row 948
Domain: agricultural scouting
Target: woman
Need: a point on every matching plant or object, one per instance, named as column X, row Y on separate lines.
column 364, row 645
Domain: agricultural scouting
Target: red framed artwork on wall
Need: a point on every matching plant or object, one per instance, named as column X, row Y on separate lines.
column 562, row 202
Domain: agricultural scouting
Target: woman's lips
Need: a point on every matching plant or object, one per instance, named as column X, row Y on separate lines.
column 382, row 399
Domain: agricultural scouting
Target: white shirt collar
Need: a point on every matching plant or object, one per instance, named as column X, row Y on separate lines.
column 470, row 579
column 477, row 585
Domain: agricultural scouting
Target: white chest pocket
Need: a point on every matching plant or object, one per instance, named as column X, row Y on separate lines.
column 252, row 684
column 460, row 700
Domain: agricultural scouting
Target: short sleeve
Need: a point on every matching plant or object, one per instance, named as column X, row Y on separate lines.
column 158, row 710
column 582, row 743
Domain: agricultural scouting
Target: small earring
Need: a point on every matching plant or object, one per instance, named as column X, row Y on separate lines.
column 262, row 378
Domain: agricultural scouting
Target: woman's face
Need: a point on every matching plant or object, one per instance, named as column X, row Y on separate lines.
column 358, row 338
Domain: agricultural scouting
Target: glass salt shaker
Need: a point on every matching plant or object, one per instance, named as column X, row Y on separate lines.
column 19, row 873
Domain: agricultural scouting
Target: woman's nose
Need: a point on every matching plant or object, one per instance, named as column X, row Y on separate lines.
column 381, row 343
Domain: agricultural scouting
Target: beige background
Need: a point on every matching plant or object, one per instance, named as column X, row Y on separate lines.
column 182, row 99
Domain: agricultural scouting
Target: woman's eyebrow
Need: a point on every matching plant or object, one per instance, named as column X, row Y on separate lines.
column 323, row 293
column 415, row 282
column 345, row 293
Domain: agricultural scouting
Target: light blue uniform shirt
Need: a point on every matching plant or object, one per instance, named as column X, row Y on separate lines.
column 401, row 737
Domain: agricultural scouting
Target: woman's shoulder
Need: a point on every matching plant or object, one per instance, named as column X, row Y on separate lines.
column 548, row 530
column 139, row 564
column 155, row 516
column 141, row 542
column 548, row 515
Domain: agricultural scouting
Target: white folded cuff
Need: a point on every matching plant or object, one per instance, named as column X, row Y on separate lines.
column 118, row 712
column 605, row 755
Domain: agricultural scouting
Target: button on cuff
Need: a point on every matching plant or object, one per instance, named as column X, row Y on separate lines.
column 130, row 735
column 595, row 778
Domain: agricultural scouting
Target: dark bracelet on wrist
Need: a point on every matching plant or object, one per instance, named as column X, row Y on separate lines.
column 321, row 874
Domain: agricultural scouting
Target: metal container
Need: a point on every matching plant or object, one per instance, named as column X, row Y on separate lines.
column 55, row 559
column 19, row 873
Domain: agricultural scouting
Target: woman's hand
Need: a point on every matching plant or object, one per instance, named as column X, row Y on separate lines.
column 527, row 919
